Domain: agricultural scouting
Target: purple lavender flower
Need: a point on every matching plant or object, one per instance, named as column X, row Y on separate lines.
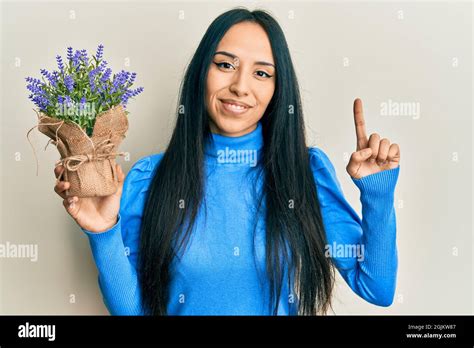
column 102, row 66
column 68, row 101
column 69, row 82
column 32, row 80
column 31, row 97
column 38, row 95
column 126, row 76
column 116, row 83
column 132, row 78
column 100, row 83
column 84, row 57
column 39, row 98
column 100, row 52
column 40, row 101
column 137, row 91
column 115, row 86
column 69, row 53
column 120, row 80
column 82, row 104
column 130, row 93
column 125, row 96
column 106, row 75
column 59, row 60
column 35, row 86
column 92, row 74
column 55, row 78
column 52, row 78
column 76, row 59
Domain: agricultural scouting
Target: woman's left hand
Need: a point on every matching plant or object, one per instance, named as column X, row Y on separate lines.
column 373, row 154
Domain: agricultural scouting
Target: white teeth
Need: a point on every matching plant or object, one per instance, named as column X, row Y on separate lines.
column 237, row 107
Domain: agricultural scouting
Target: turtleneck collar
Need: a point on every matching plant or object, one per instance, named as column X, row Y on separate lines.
column 245, row 150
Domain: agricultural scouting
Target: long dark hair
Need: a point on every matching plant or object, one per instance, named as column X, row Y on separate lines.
column 295, row 234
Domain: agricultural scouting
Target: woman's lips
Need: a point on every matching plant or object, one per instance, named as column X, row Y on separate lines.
column 234, row 109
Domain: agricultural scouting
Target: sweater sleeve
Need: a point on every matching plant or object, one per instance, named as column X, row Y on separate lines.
column 364, row 251
column 115, row 250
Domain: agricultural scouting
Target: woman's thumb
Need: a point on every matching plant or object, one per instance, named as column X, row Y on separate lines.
column 366, row 153
column 120, row 178
column 121, row 175
column 357, row 158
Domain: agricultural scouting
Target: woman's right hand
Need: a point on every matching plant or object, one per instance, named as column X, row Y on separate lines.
column 94, row 214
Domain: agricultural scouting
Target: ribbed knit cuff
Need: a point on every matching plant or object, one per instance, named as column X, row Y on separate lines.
column 379, row 183
column 379, row 223
column 103, row 244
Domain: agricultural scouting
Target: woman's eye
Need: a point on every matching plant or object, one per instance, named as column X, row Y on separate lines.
column 265, row 74
column 224, row 65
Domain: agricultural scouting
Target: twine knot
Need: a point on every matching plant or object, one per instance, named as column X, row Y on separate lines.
column 100, row 152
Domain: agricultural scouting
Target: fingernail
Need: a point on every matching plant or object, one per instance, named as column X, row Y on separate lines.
column 70, row 200
column 71, row 205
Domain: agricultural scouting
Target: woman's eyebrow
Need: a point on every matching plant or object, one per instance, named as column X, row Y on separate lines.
column 233, row 56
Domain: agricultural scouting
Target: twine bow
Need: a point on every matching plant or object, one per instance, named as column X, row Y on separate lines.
column 99, row 153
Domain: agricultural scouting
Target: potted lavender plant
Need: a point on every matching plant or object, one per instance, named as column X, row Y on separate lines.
column 81, row 107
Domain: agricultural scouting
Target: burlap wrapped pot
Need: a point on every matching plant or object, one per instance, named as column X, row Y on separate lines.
column 89, row 162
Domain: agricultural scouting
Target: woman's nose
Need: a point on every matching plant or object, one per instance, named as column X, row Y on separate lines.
column 240, row 84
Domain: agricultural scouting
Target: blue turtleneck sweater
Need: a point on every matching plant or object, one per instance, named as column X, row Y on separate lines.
column 217, row 274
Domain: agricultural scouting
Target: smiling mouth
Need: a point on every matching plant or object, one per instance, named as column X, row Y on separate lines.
column 234, row 108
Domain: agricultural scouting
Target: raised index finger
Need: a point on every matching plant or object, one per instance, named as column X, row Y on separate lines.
column 359, row 122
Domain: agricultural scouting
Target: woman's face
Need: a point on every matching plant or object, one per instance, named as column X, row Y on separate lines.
column 241, row 80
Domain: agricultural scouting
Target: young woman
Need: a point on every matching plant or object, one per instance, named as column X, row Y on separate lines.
column 238, row 215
